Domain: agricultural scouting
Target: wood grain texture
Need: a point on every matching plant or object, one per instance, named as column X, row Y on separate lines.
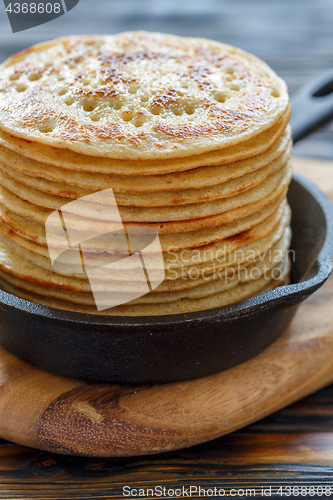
column 71, row 417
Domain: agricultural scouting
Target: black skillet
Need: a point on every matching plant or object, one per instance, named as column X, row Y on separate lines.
column 159, row 349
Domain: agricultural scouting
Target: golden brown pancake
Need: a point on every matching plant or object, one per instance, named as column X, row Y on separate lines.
column 41, row 191
column 236, row 294
column 37, row 205
column 68, row 160
column 50, row 285
column 36, row 269
column 201, row 176
column 35, row 231
column 138, row 95
column 208, row 258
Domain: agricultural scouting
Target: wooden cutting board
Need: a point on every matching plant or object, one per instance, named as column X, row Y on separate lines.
column 52, row 413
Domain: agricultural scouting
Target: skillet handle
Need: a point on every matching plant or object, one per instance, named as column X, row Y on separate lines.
column 312, row 106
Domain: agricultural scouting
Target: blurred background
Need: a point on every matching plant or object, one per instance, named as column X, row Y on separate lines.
column 295, row 37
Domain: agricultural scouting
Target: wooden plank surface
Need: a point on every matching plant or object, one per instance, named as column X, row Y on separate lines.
column 291, row 447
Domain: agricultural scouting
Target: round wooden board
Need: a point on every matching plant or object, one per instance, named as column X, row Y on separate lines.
column 52, row 413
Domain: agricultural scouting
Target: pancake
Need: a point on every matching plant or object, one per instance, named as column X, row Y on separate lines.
column 202, row 176
column 138, row 95
column 15, row 195
column 240, row 292
column 207, row 259
column 37, row 269
column 228, row 252
column 41, row 192
column 76, row 163
column 35, row 231
column 20, row 273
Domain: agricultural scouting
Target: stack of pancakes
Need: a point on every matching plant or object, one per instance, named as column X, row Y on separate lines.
column 191, row 136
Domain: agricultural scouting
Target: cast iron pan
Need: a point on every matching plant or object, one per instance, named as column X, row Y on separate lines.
column 162, row 349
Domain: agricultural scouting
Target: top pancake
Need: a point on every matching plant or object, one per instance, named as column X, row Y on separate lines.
column 76, row 162
column 138, row 96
